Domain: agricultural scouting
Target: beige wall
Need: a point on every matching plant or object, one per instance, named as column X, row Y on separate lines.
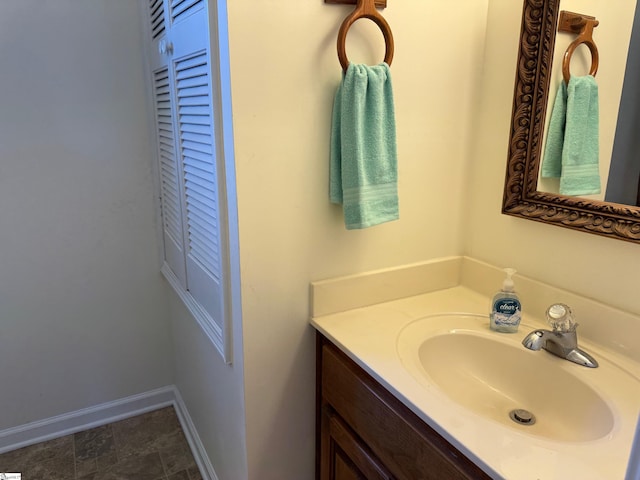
column 212, row 391
column 284, row 74
column 83, row 316
column 600, row 268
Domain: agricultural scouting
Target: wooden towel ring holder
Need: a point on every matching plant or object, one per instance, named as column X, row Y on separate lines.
column 364, row 9
column 583, row 25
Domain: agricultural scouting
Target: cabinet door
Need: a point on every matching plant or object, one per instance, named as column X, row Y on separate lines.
column 344, row 456
column 364, row 427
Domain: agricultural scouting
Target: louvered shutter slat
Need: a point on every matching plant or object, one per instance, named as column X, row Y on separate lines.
column 166, row 142
column 199, row 169
column 202, row 225
column 156, row 7
column 203, row 166
column 196, row 91
column 156, row 16
column 198, row 147
column 194, row 69
column 190, row 101
column 189, row 63
column 194, row 110
column 199, row 190
column 195, row 120
column 204, row 204
column 183, row 8
column 198, row 155
column 202, row 241
column 198, row 129
column 202, row 139
column 194, row 72
column 192, row 83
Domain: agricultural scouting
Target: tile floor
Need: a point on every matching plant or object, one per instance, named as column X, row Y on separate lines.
column 151, row 446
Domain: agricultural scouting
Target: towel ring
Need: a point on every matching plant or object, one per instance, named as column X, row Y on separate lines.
column 585, row 26
column 364, row 9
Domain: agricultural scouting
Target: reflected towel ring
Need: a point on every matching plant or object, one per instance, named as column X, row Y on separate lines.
column 364, row 9
column 566, row 62
column 572, row 22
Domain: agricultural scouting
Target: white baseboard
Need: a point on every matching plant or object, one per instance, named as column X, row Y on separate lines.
column 95, row 416
column 197, row 448
column 72, row 422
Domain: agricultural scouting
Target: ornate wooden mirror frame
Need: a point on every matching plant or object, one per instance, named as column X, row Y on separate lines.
column 521, row 197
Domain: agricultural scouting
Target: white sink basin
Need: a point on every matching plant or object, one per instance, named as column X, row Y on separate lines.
column 492, row 374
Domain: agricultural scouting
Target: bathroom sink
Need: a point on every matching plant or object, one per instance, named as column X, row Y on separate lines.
column 492, row 374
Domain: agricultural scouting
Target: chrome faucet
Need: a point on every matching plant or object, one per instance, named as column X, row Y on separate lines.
column 562, row 341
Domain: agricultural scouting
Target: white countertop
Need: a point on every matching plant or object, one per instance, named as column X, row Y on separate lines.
column 368, row 336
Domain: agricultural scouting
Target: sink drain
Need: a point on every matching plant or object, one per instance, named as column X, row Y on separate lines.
column 522, row 416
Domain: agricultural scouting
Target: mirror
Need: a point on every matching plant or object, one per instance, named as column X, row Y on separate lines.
column 614, row 46
column 522, row 198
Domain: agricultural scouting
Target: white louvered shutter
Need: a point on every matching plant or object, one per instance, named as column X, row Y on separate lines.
column 195, row 125
column 171, row 194
column 187, row 155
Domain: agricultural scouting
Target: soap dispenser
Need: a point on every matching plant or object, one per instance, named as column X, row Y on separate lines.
column 506, row 310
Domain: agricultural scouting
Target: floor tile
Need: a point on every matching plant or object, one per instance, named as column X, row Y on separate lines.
column 194, row 473
column 159, row 432
column 57, row 468
column 94, row 443
column 143, row 467
column 176, row 455
column 183, row 475
column 19, row 460
column 151, row 446
column 94, row 450
column 85, row 467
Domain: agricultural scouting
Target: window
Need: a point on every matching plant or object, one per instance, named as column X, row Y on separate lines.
column 190, row 161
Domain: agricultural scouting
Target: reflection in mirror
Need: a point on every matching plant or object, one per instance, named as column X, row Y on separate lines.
column 612, row 37
column 534, row 73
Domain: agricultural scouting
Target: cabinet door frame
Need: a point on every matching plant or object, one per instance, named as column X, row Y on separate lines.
column 338, row 440
column 400, row 442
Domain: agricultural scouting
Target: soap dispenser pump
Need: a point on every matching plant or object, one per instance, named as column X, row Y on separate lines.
column 506, row 310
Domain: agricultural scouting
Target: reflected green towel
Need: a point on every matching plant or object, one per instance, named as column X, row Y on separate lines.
column 552, row 162
column 580, row 155
column 572, row 148
column 363, row 176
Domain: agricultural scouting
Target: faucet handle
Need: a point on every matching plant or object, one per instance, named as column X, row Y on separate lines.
column 561, row 319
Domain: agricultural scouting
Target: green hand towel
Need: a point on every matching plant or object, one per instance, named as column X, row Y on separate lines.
column 363, row 173
column 572, row 148
column 552, row 161
column 580, row 155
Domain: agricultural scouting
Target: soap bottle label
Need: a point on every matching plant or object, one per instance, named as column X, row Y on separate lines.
column 506, row 312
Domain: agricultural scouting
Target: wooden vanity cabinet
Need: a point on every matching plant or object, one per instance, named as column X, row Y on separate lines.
column 365, row 433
